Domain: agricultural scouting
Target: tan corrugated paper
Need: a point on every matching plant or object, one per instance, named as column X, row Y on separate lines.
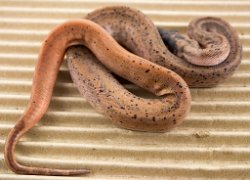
column 214, row 141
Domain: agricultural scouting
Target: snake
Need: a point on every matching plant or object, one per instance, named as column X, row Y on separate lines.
column 208, row 55
column 99, row 87
column 164, row 62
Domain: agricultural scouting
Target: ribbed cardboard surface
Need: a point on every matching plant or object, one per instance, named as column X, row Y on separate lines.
column 213, row 142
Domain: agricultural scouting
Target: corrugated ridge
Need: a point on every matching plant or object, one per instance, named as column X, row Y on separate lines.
column 213, row 142
column 46, row 24
column 179, row 16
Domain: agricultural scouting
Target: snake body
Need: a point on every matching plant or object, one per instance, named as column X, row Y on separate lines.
column 99, row 87
column 209, row 54
column 218, row 47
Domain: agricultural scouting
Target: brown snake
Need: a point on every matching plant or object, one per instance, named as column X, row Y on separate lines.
column 99, row 87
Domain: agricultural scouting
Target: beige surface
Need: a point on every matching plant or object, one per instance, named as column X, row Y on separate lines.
column 214, row 141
